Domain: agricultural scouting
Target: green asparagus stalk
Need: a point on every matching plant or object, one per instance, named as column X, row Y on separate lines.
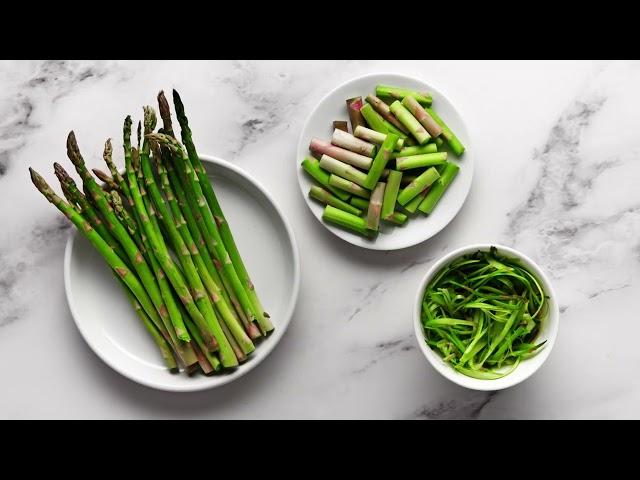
column 380, row 162
column 122, row 184
column 416, row 150
column 414, row 188
column 343, row 170
column 415, row 202
column 120, row 233
column 422, row 116
column 389, row 92
column 409, row 121
column 163, row 345
column 375, row 137
column 360, row 203
column 348, row 186
column 195, row 334
column 454, row 143
column 384, row 111
column 326, row 198
column 347, row 141
column 374, row 119
column 346, row 220
column 190, row 256
column 438, row 141
column 396, row 217
column 419, row 161
column 449, row 172
column 312, row 167
column 375, row 206
column 109, row 183
column 391, row 194
column 225, row 230
column 184, row 254
column 320, row 147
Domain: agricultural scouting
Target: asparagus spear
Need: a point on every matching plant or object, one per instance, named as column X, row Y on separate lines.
column 326, row 198
column 195, row 334
column 413, row 204
column 320, row 147
column 312, row 167
column 109, row 183
column 449, row 172
column 225, row 234
column 409, row 121
column 375, row 137
column 343, row 170
column 424, row 160
column 391, row 194
column 341, row 125
column 422, row 116
column 346, row 220
column 453, row 142
column 414, row 188
column 380, row 161
column 396, row 93
column 384, row 111
column 353, row 107
column 415, row 150
column 375, row 206
column 122, row 184
column 120, row 233
column 379, row 124
column 348, row 186
column 353, row 144
column 191, row 260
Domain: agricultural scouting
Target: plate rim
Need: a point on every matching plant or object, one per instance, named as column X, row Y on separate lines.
column 299, row 147
column 243, row 369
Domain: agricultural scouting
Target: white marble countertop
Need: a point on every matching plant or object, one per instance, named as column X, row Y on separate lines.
column 557, row 175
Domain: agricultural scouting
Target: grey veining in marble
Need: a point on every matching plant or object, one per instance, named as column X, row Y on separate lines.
column 558, row 169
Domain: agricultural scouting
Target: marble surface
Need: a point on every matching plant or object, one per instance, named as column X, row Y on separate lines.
column 557, row 175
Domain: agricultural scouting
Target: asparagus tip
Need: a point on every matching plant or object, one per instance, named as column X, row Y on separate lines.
column 150, row 119
column 73, row 151
column 108, row 150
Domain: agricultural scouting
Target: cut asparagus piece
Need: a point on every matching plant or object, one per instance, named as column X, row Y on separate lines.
column 346, row 220
column 384, row 111
column 325, row 197
column 320, row 147
column 374, row 137
column 415, row 202
column 397, row 93
column 380, row 162
column 415, row 150
column 357, row 145
column 396, row 217
column 348, row 186
column 391, row 193
column 373, row 118
column 355, row 116
column 453, row 141
column 449, row 172
column 312, row 167
column 375, row 206
column 341, row 125
column 422, row 116
column 419, row 161
column 409, row 121
column 414, row 188
column 343, row 170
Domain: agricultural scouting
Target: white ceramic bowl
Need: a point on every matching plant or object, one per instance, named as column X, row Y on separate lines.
column 526, row 368
column 419, row 227
column 113, row 331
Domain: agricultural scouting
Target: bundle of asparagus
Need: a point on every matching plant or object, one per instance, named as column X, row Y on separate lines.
column 393, row 163
column 162, row 231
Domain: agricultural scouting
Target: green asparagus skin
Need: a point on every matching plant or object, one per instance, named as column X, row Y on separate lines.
column 120, row 233
column 343, row 170
column 415, row 202
column 380, row 162
column 420, row 161
column 396, row 93
column 312, row 167
column 409, row 121
column 438, row 188
column 225, row 230
column 414, row 188
column 454, row 143
column 346, row 220
column 416, row 150
column 391, row 194
column 326, row 198
column 348, row 186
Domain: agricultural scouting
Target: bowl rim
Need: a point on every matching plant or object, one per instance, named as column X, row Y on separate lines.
column 299, row 147
column 216, row 381
column 445, row 369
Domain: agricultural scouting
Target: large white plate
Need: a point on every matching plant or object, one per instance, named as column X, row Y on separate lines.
column 111, row 328
column 420, row 227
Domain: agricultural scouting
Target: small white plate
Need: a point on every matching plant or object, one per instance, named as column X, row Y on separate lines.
column 419, row 227
column 114, row 332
